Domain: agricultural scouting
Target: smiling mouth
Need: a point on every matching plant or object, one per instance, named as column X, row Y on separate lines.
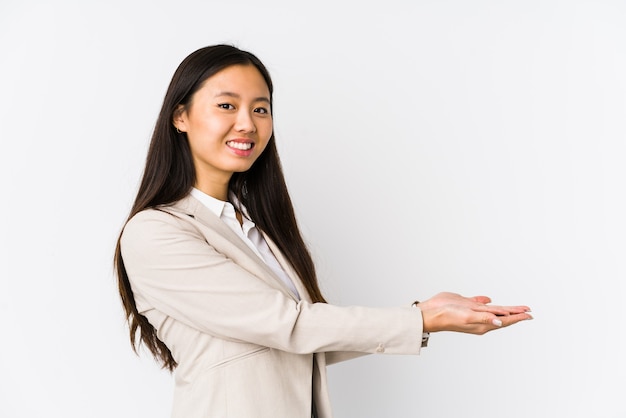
column 243, row 146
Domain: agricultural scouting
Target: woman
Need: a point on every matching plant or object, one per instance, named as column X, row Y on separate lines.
column 213, row 272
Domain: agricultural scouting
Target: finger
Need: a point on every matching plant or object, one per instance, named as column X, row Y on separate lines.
column 517, row 309
column 503, row 310
column 514, row 319
column 493, row 309
column 487, row 318
column 505, row 321
column 481, row 299
column 483, row 322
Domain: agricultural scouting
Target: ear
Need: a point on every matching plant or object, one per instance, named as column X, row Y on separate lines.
column 179, row 118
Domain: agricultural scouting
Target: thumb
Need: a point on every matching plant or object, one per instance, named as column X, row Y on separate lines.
column 481, row 299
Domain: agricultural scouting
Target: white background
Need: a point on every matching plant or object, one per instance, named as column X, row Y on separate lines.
column 471, row 146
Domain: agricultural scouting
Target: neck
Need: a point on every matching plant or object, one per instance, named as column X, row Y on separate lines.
column 217, row 190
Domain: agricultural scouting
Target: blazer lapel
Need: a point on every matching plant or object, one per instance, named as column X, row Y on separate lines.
column 227, row 242
column 304, row 295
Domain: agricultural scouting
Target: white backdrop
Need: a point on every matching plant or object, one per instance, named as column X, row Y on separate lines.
column 482, row 143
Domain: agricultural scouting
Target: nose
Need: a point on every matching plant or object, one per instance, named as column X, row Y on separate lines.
column 244, row 122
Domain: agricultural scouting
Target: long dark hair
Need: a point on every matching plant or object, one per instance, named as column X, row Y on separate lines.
column 169, row 175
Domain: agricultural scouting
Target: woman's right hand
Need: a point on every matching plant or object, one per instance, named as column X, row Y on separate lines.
column 473, row 315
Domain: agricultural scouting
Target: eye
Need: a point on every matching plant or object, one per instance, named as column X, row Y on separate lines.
column 226, row 106
column 262, row 110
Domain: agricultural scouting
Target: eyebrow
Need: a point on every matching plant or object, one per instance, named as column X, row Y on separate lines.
column 236, row 96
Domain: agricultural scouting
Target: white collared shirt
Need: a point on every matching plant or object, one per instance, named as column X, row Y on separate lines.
column 247, row 231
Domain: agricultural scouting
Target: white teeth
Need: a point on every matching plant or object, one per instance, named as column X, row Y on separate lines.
column 244, row 146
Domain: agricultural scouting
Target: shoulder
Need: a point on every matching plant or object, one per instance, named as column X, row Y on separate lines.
column 155, row 226
column 148, row 219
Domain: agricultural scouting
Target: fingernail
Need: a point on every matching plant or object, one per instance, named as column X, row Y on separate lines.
column 497, row 322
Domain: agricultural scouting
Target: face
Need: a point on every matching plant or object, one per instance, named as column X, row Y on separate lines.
column 228, row 124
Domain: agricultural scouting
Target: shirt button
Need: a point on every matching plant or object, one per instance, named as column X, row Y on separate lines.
column 380, row 348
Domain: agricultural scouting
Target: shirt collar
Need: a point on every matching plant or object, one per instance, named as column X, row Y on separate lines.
column 214, row 205
column 224, row 209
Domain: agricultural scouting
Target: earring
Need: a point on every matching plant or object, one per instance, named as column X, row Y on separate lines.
column 178, row 131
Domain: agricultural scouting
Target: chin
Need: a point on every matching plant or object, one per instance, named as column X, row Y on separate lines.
column 241, row 169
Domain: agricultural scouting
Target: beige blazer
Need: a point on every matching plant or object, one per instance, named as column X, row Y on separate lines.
column 245, row 345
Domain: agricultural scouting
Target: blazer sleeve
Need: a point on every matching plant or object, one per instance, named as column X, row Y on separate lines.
column 173, row 269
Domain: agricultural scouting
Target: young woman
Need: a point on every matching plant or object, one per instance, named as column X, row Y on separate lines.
column 215, row 278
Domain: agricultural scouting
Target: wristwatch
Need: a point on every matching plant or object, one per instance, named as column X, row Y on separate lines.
column 425, row 335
